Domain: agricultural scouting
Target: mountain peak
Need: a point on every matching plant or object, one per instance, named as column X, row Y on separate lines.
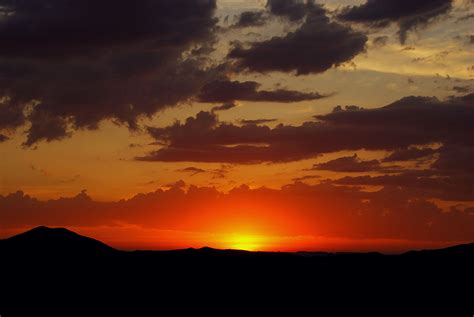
column 54, row 240
column 48, row 230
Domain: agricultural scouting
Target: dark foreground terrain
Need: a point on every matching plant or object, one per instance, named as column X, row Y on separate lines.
column 46, row 272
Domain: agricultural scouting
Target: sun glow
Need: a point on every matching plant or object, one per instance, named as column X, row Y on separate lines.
column 245, row 242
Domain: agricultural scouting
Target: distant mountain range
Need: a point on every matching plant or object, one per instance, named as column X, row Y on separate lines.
column 46, row 272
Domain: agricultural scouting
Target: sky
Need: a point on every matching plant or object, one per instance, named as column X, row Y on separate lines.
column 283, row 125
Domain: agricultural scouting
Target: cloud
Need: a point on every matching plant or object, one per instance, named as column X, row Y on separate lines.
column 223, row 107
column 11, row 113
column 294, row 10
column 422, row 120
column 305, row 178
column 316, row 46
column 348, row 164
column 380, row 41
column 448, row 178
column 176, row 186
column 340, row 108
column 61, row 25
column 192, row 170
column 60, row 73
column 257, row 121
column 250, row 18
column 465, row 17
column 216, row 173
column 46, row 126
column 462, row 89
column 456, row 159
column 3, row 138
column 451, row 188
column 405, row 123
column 409, row 15
column 409, row 154
column 229, row 91
column 222, row 171
column 294, row 209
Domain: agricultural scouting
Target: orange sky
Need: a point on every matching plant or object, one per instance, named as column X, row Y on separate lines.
column 253, row 124
column 295, row 217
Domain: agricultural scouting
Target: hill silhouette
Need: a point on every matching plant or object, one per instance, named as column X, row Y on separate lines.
column 54, row 241
column 56, row 272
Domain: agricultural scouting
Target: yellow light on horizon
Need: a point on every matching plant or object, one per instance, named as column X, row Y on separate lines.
column 245, row 242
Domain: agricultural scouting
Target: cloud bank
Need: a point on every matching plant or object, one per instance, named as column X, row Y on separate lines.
column 67, row 65
column 396, row 127
column 295, row 209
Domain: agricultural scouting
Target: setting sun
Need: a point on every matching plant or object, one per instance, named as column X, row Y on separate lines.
column 246, row 242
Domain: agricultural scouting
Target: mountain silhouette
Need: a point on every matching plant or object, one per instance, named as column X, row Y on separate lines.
column 463, row 251
column 56, row 272
column 53, row 241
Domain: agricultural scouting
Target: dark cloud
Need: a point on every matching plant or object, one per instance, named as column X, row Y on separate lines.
column 257, row 121
column 410, row 154
column 456, row 159
column 450, row 177
column 192, row 170
column 340, row 108
column 67, row 65
column 305, row 178
column 205, row 139
column 178, row 185
column 316, row 46
column 250, row 18
column 348, row 164
column 220, row 172
column 228, row 91
column 65, row 28
column 11, row 113
column 421, row 120
column 46, row 126
column 223, row 107
column 135, row 145
column 408, row 14
column 400, row 125
column 294, row 10
column 453, row 188
column 3, row 138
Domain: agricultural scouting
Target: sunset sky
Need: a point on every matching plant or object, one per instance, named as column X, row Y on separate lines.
column 280, row 125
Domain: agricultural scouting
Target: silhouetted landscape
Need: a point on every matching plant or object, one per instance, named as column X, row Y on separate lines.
column 46, row 272
column 236, row 157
